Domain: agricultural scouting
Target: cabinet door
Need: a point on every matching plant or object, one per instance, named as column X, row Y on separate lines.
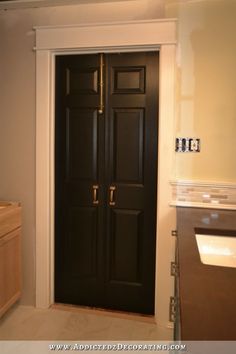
column 10, row 270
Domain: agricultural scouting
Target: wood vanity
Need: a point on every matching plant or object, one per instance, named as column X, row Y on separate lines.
column 10, row 254
column 206, row 292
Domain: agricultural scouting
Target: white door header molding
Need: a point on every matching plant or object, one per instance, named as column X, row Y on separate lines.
column 27, row 4
column 117, row 34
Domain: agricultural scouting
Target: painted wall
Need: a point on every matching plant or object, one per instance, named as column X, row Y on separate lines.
column 205, row 90
column 17, row 101
column 206, row 87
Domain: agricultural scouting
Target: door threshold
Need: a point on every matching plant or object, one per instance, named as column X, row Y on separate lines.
column 105, row 312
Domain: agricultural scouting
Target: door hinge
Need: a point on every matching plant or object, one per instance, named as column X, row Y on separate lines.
column 174, row 303
column 174, row 269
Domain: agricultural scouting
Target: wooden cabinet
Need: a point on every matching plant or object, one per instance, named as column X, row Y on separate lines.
column 10, row 257
column 175, row 273
column 206, row 292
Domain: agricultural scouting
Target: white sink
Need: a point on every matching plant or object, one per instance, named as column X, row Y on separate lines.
column 217, row 250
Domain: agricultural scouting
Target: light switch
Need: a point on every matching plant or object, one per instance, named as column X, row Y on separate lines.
column 187, row 145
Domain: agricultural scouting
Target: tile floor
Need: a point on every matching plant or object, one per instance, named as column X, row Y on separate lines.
column 29, row 323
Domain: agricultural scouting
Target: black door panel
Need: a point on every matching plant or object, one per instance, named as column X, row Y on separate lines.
column 105, row 181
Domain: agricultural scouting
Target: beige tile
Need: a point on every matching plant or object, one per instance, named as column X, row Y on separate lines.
column 129, row 330
column 49, row 324
column 85, row 327
column 17, row 314
column 160, row 334
column 28, row 323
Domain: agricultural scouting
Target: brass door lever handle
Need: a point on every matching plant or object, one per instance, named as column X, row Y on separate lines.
column 95, row 194
column 112, row 195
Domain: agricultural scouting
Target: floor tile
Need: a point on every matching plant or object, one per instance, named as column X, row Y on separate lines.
column 29, row 323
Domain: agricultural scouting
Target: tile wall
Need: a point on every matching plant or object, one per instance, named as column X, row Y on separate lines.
column 203, row 194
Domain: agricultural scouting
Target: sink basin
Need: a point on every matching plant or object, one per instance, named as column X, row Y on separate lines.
column 217, row 247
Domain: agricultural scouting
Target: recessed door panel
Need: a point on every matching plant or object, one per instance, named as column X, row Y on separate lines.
column 128, row 143
column 82, row 81
column 81, row 141
column 125, row 243
column 128, row 80
column 81, row 241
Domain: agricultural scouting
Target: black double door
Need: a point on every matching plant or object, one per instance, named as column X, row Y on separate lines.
column 105, row 180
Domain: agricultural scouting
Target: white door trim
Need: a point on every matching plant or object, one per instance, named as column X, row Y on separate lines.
column 127, row 36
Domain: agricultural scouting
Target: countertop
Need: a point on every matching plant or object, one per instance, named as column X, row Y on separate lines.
column 10, row 217
column 207, row 293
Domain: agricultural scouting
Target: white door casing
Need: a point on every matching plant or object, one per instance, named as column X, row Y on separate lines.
column 95, row 38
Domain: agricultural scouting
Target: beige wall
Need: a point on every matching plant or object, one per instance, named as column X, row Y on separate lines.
column 205, row 94
column 17, row 101
column 206, row 87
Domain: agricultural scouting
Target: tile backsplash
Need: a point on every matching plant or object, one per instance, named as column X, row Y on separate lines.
column 203, row 194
